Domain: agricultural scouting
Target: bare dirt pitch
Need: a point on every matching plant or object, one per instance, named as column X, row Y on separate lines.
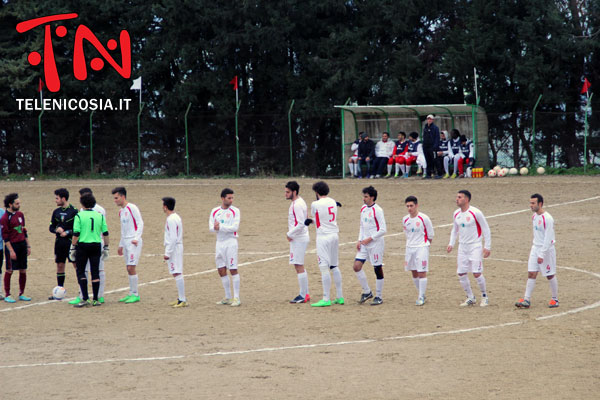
column 270, row 349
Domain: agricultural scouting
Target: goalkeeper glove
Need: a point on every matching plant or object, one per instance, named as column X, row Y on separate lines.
column 337, row 203
column 72, row 253
column 105, row 253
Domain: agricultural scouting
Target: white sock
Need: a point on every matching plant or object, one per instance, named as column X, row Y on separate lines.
column 446, row 168
column 403, row 168
column 389, row 169
column 225, row 282
column 481, row 282
column 397, row 168
column 326, row 279
column 416, row 282
column 337, row 278
column 102, row 284
column 351, row 168
column 554, row 287
column 236, row 285
column 529, row 289
column 133, row 285
column 466, row 285
column 180, row 287
column 362, row 278
column 422, row 287
column 379, row 288
column 303, row 283
column 456, row 158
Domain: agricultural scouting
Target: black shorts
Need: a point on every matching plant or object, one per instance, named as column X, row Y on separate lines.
column 20, row 249
column 62, row 245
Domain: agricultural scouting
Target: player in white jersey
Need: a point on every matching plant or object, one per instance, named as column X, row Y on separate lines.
column 419, row 235
column 173, row 242
column 542, row 257
column 298, row 237
column 324, row 211
column 225, row 222
column 370, row 245
column 130, row 246
column 469, row 225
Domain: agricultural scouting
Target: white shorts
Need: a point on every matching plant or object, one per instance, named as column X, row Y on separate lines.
column 226, row 254
column 327, row 249
column 470, row 259
column 175, row 261
column 132, row 253
column 298, row 250
column 548, row 267
column 372, row 252
column 417, row 259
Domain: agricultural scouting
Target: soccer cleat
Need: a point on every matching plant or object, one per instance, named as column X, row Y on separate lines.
column 9, row 299
column 419, row 171
column 224, row 302
column 83, row 303
column 453, row 176
column 395, row 176
column 388, row 176
column 124, row 299
column 446, row 176
column 101, row 300
column 406, row 175
column 180, row 304
column 553, row 304
column 365, row 296
column 76, row 300
column 50, row 298
column 321, row 303
column 236, row 302
column 298, row 299
column 522, row 303
column 377, row 301
column 24, row 298
column 485, row 301
column 420, row 301
column 172, row 303
column 339, row 300
column 468, row 302
column 96, row 303
column 132, row 299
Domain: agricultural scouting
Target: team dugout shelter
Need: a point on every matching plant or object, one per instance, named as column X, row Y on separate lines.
column 470, row 120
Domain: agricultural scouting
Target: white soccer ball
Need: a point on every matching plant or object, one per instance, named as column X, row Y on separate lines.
column 513, row 171
column 541, row 171
column 59, row 292
column 505, row 171
column 524, row 171
column 497, row 168
column 491, row 173
column 502, row 172
column 32, row 179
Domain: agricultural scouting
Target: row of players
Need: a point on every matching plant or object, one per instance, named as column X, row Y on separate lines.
column 85, row 243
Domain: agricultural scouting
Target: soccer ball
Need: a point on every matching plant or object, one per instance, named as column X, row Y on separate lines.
column 541, row 171
column 59, row 292
column 502, row 172
column 497, row 168
column 491, row 173
column 32, row 179
column 513, row 171
column 524, row 171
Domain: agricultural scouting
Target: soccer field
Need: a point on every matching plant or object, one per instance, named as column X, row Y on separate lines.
column 270, row 349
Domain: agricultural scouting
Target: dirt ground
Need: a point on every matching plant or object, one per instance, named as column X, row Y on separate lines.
column 270, row 349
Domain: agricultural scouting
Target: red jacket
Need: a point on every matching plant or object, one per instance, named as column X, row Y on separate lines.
column 13, row 227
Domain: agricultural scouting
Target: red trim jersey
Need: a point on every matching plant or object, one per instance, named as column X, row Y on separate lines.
column 325, row 212
column 297, row 214
column 132, row 225
column 469, row 226
column 372, row 223
column 13, row 227
column 543, row 232
column 418, row 230
column 173, row 234
column 229, row 222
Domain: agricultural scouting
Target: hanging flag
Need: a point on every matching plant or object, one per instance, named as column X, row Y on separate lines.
column 234, row 82
column 586, row 85
column 137, row 84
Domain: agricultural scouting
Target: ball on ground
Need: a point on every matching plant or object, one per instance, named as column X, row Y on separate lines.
column 59, row 292
column 513, row 171
column 32, row 179
column 541, row 171
column 497, row 168
column 524, row 171
column 492, row 173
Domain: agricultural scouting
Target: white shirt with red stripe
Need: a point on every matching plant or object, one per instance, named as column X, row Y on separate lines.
column 173, row 234
column 372, row 223
column 229, row 222
column 132, row 225
column 469, row 226
column 324, row 211
column 418, row 230
column 543, row 232
column 297, row 214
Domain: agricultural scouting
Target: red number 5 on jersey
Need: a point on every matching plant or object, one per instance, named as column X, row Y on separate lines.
column 332, row 214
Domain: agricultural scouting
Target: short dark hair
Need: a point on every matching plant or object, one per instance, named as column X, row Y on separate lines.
column 225, row 192
column 88, row 200
column 62, row 193
column 412, row 199
column 463, row 138
column 371, row 191
column 385, row 133
column 10, row 198
column 539, row 197
column 466, row 193
column 402, row 133
column 84, row 190
column 169, row 202
column 293, row 186
column 455, row 133
column 121, row 190
column 414, row 135
column 321, row 188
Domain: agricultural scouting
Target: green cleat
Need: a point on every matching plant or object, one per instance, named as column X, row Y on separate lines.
column 339, row 300
column 101, row 300
column 124, row 299
column 132, row 299
column 76, row 300
column 321, row 303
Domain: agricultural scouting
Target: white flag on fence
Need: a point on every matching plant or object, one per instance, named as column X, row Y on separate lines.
column 137, row 84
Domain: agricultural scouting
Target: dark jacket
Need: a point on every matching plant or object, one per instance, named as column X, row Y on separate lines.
column 366, row 149
column 431, row 137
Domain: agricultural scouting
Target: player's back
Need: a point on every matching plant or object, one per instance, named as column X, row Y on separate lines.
column 325, row 213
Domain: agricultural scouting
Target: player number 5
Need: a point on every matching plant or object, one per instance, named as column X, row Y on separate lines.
column 332, row 214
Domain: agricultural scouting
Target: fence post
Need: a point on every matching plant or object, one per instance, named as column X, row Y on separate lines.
column 585, row 159
column 40, row 136
column 91, row 145
column 533, row 132
column 139, row 141
column 290, row 132
column 187, row 151
column 237, row 138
